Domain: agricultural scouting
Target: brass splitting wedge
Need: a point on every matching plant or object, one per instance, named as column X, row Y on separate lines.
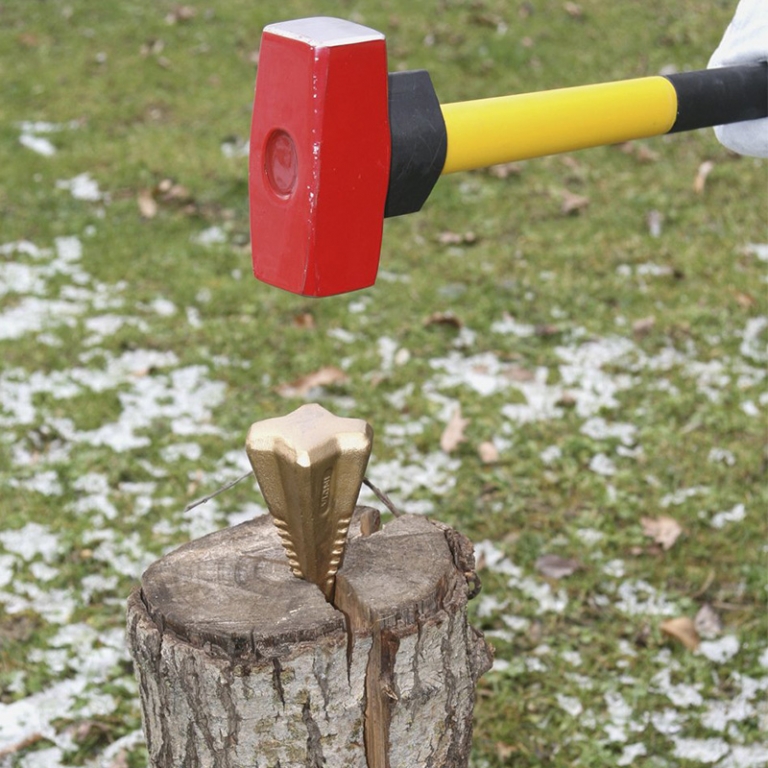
column 310, row 465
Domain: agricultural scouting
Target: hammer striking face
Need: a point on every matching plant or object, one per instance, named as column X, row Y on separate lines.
column 320, row 155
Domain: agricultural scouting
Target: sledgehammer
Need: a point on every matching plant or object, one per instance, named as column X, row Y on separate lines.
column 337, row 144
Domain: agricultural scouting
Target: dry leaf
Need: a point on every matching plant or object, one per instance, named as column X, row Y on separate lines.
column 505, row 170
column 682, row 630
column 518, row 373
column 444, row 318
column 304, row 320
column 171, row 191
column 744, row 300
column 488, row 452
column 180, row 13
column 545, row 330
column 455, row 238
column 663, row 530
column 573, row 10
column 643, row 326
column 147, row 204
column 645, row 154
column 453, row 434
column 505, row 751
column 556, row 567
column 701, row 177
column 320, row 378
column 707, row 622
column 572, row 203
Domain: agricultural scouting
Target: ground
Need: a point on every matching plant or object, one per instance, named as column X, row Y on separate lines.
column 563, row 358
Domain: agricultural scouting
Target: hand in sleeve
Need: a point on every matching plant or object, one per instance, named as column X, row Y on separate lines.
column 745, row 42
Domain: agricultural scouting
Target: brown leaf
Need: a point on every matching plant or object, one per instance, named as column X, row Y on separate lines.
column 573, row 10
column 170, row 191
column 643, row 326
column 645, row 154
column 682, row 630
column 744, row 300
column 320, row 378
column 456, row 238
column 505, row 170
column 147, row 204
column 488, row 452
column 518, row 373
column 505, row 751
column 546, row 330
column 304, row 320
column 701, row 177
column 707, row 622
column 453, row 434
column 572, row 203
column 556, row 567
column 180, row 13
column 443, row 318
column 663, row 530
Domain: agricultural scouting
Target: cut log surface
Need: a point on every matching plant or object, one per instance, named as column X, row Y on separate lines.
column 243, row 665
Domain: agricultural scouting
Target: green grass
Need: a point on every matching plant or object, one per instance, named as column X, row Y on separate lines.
column 151, row 101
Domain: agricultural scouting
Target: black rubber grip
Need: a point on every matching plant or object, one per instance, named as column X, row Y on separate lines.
column 419, row 141
column 720, row 96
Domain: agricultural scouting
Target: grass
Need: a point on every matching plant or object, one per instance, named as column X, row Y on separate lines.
column 134, row 364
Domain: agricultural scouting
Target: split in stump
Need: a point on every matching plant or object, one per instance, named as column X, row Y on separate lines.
column 242, row 665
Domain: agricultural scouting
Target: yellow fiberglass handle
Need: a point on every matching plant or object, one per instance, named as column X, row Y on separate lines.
column 508, row 128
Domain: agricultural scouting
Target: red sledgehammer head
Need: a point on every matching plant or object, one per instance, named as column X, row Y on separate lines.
column 320, row 156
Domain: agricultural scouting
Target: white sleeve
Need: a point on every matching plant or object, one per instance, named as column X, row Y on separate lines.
column 745, row 42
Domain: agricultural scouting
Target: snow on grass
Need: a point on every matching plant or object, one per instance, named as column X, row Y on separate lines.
column 164, row 407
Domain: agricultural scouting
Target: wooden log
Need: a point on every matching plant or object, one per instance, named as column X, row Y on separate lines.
column 242, row 665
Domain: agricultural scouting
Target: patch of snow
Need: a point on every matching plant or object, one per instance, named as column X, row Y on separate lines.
column 752, row 756
column 630, row 752
column 615, row 569
column 599, row 429
column 721, row 650
column 30, row 541
column 638, row 597
column 735, row 515
column 619, row 714
column 751, row 346
column 589, row 536
column 601, row 464
column 701, row 750
column 668, row 722
column 749, row 407
column 572, row 657
column 569, row 704
column 510, row 326
column 682, row 495
column 81, row 187
column 214, row 235
column 342, row 335
column 680, row 694
column 37, row 144
column 721, row 456
column 551, row 454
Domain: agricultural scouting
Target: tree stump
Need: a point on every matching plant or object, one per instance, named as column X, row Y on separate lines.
column 242, row 665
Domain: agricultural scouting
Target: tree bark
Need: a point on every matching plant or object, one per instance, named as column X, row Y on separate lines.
column 242, row 665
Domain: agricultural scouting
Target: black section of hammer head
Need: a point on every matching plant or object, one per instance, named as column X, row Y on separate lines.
column 419, row 141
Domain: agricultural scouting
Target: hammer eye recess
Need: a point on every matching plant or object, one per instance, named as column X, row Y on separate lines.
column 281, row 165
